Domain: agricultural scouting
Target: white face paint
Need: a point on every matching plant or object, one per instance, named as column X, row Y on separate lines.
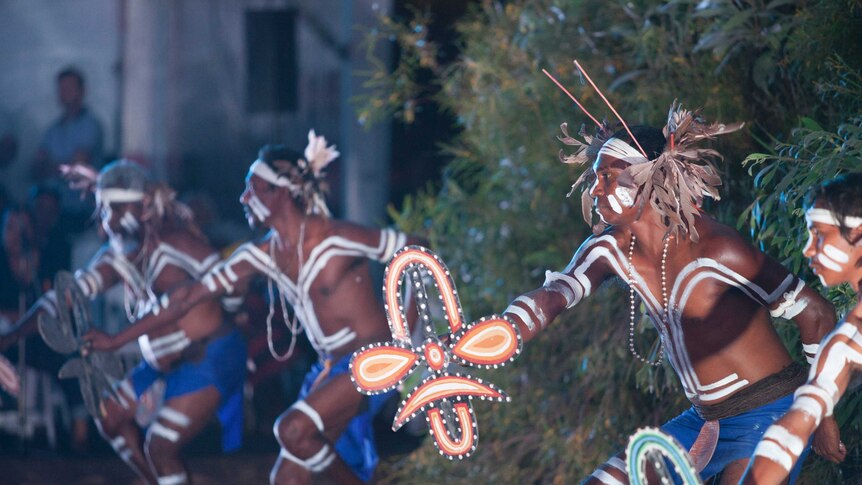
column 829, row 263
column 260, row 211
column 836, row 254
column 625, row 196
column 107, row 214
column 130, row 223
column 615, row 205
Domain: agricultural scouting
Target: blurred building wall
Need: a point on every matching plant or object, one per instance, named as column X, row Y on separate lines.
column 38, row 38
column 168, row 80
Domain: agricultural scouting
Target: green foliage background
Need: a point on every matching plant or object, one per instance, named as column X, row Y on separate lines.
column 499, row 216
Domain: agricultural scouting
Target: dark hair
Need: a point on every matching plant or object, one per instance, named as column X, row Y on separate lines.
column 843, row 196
column 651, row 139
column 272, row 153
column 72, row 72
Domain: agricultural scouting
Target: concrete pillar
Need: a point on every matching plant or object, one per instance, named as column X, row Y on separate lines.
column 146, row 108
column 366, row 164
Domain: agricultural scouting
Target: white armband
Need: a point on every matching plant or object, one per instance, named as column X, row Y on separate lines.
column 571, row 289
column 810, row 351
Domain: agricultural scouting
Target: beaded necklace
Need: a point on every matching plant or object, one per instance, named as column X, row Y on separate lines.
column 665, row 316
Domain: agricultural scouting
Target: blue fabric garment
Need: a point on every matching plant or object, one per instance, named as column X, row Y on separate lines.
column 738, row 435
column 67, row 136
column 223, row 366
column 356, row 444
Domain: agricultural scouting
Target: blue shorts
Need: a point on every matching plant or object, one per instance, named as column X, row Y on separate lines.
column 223, row 366
column 356, row 444
column 738, row 435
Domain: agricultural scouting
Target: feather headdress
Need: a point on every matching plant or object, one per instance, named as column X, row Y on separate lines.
column 306, row 177
column 675, row 182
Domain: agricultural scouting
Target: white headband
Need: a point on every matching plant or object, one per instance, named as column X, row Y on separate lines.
column 113, row 196
column 826, row 216
column 617, row 148
column 264, row 171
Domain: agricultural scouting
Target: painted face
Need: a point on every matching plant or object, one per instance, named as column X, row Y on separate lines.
column 613, row 192
column 121, row 218
column 832, row 258
column 256, row 200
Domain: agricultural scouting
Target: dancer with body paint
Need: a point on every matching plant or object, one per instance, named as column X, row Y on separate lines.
column 834, row 252
column 709, row 293
column 153, row 246
column 321, row 269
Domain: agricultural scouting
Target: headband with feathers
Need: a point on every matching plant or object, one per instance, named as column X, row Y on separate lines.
column 675, row 182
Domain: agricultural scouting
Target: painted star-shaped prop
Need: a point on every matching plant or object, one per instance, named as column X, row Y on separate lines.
column 444, row 396
column 97, row 372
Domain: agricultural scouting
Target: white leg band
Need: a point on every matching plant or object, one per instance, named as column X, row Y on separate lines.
column 785, row 438
column 316, row 463
column 169, row 434
column 770, row 450
column 175, row 479
column 309, row 411
column 173, row 416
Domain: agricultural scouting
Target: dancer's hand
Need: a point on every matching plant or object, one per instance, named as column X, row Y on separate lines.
column 827, row 441
column 98, row 340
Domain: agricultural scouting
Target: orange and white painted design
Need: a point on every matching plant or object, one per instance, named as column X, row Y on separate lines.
column 444, row 397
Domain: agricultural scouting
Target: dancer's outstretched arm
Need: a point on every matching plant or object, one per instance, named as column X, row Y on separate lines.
column 99, row 275
column 229, row 277
column 597, row 259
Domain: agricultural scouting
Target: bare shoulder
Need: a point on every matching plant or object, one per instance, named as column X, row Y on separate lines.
column 186, row 242
column 726, row 245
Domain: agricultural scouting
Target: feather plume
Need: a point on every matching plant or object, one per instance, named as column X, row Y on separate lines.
column 678, row 180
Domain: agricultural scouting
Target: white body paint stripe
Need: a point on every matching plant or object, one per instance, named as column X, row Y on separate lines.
column 175, row 479
column 688, row 278
column 618, row 463
column 531, row 304
column 309, row 411
column 173, row 416
column 771, row 451
column 606, row 478
column 809, row 406
column 523, row 315
column 785, row 438
column 316, row 463
column 169, row 434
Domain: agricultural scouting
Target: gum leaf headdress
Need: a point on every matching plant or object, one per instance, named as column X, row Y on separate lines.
column 675, row 182
column 306, row 177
